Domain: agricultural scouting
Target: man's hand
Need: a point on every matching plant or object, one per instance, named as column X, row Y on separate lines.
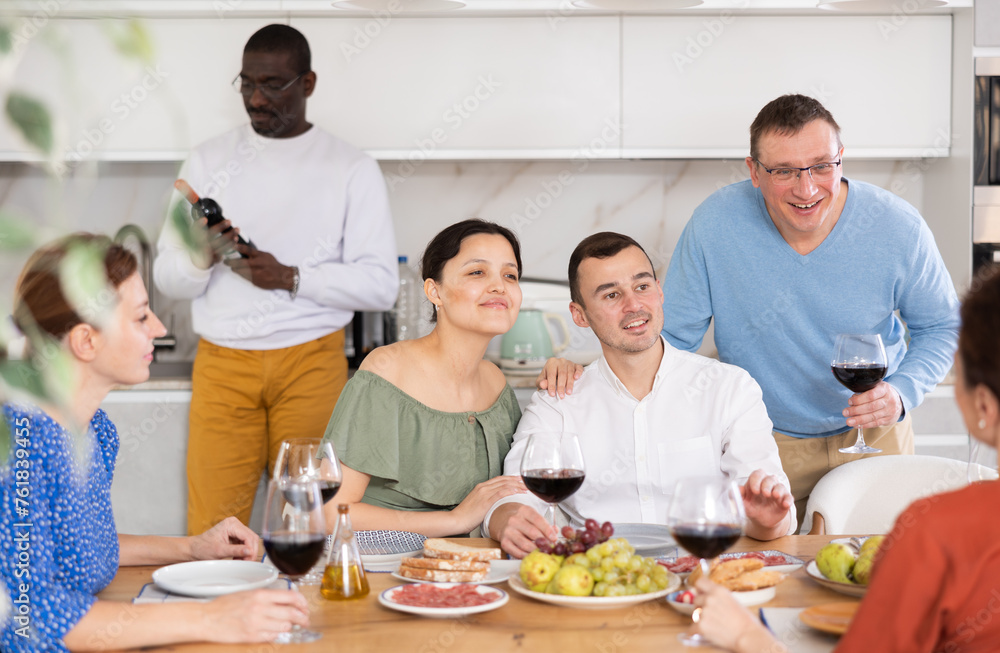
column 558, row 377
column 517, row 526
column 880, row 406
column 766, row 501
column 227, row 539
column 218, row 244
column 262, row 269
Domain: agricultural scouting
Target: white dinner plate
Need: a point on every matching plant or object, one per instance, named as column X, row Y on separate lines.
column 648, row 539
column 850, row 589
column 500, row 570
column 592, row 602
column 748, row 599
column 386, row 599
column 214, row 577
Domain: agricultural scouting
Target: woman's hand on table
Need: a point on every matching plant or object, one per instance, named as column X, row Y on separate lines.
column 729, row 625
column 227, row 539
column 257, row 616
column 473, row 509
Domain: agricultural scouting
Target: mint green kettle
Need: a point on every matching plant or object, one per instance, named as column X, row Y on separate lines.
column 528, row 344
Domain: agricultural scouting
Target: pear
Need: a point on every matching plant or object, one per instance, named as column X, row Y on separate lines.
column 863, row 567
column 836, row 561
column 871, row 544
column 572, row 580
column 538, row 568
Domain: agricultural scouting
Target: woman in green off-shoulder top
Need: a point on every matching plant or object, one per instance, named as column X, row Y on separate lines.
column 423, row 427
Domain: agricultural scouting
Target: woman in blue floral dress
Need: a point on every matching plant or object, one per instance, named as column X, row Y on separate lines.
column 58, row 543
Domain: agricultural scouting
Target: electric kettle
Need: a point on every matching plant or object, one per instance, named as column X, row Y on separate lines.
column 528, row 344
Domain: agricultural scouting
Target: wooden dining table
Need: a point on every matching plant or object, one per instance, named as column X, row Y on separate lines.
column 523, row 624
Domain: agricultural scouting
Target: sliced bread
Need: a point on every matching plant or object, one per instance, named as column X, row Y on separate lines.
column 435, row 547
column 443, row 564
column 441, row 576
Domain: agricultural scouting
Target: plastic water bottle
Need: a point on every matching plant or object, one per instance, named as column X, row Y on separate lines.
column 406, row 312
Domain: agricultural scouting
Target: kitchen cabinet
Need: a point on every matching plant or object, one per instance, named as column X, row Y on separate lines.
column 149, row 493
column 418, row 88
column 692, row 85
column 110, row 106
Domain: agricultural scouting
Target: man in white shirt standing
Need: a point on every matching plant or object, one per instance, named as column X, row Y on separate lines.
column 646, row 414
column 270, row 362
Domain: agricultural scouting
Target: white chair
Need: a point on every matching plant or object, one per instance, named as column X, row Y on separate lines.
column 867, row 495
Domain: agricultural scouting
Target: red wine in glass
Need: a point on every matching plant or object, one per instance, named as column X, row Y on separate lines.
column 553, row 485
column 294, row 553
column 707, row 540
column 859, row 378
column 859, row 363
column 328, row 489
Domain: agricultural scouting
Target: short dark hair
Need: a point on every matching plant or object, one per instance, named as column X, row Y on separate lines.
column 787, row 115
column 444, row 247
column 601, row 245
column 979, row 337
column 282, row 39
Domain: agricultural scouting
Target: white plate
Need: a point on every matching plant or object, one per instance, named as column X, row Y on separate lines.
column 214, row 577
column 648, row 539
column 382, row 547
column 500, row 570
column 850, row 589
column 385, row 598
column 748, row 599
column 592, row 602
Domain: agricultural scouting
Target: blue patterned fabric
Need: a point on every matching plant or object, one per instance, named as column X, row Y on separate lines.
column 58, row 542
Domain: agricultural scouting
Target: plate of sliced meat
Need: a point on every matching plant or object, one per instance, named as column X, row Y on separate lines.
column 773, row 560
column 443, row 599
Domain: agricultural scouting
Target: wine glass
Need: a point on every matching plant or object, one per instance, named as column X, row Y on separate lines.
column 706, row 518
column 552, row 468
column 859, row 363
column 982, row 462
column 294, row 534
column 310, row 459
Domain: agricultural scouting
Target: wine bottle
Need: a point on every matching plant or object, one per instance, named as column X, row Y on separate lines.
column 206, row 207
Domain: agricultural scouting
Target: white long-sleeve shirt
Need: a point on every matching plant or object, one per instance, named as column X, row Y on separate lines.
column 312, row 201
column 701, row 418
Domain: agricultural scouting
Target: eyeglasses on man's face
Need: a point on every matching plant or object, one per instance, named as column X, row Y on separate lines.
column 270, row 90
column 789, row 176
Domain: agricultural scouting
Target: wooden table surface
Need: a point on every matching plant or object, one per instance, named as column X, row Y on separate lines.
column 521, row 625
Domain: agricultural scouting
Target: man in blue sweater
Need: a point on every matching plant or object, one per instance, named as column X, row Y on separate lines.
column 792, row 257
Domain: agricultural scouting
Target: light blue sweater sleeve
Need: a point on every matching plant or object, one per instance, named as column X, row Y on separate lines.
column 777, row 313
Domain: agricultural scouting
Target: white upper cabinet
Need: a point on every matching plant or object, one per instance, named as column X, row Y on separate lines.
column 111, row 106
column 468, row 87
column 693, row 85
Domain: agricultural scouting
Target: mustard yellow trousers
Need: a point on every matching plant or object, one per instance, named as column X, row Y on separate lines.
column 243, row 404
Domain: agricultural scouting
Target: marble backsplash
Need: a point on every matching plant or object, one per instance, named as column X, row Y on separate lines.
column 551, row 205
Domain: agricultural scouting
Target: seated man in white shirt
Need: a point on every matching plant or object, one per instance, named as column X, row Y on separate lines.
column 646, row 414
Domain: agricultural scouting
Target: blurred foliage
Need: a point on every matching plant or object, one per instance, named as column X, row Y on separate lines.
column 85, row 284
column 16, row 233
column 32, row 119
column 6, row 39
column 194, row 237
column 131, row 39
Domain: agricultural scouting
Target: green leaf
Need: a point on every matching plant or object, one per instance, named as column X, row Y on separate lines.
column 6, row 39
column 4, row 441
column 23, row 377
column 131, row 39
column 84, row 282
column 57, row 377
column 193, row 236
column 15, row 233
column 31, row 119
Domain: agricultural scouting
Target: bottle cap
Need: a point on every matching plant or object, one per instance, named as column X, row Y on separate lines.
column 342, row 508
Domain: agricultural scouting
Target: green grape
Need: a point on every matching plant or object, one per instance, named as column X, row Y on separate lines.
column 644, row 583
column 594, row 555
column 611, row 577
column 615, row 590
column 635, row 563
column 597, row 573
column 622, row 559
column 631, row 590
column 600, row 589
column 607, row 564
column 606, row 549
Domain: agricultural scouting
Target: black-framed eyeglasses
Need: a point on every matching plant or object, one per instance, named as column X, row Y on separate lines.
column 789, row 176
column 270, row 90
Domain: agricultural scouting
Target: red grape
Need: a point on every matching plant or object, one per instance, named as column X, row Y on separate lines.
column 560, row 549
column 588, row 538
column 591, row 525
column 607, row 530
column 568, row 532
column 577, row 547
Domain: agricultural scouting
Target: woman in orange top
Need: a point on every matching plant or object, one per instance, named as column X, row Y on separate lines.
column 936, row 583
